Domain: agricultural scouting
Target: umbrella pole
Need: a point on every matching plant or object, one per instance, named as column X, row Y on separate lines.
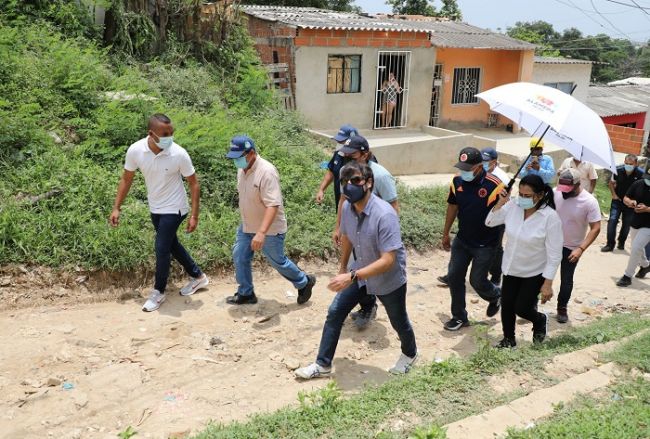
column 512, row 182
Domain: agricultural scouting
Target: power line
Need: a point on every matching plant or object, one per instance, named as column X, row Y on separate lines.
column 593, row 5
column 629, row 5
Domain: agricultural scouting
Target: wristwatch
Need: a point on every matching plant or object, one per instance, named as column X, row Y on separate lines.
column 353, row 275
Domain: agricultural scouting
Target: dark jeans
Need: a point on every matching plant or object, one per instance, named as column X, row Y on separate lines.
column 481, row 259
column 618, row 210
column 167, row 245
column 495, row 267
column 519, row 298
column 567, row 269
column 345, row 301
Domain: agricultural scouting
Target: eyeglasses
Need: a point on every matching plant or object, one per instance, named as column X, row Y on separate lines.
column 356, row 180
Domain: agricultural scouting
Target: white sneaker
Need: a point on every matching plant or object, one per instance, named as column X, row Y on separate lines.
column 403, row 364
column 314, row 370
column 154, row 301
column 195, row 284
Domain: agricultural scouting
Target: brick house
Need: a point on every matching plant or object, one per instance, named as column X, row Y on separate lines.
column 338, row 67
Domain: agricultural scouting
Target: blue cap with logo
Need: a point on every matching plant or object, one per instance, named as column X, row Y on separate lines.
column 489, row 154
column 345, row 132
column 240, row 145
column 354, row 144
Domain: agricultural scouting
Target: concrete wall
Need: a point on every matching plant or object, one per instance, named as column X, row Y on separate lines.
column 579, row 74
column 498, row 67
column 328, row 111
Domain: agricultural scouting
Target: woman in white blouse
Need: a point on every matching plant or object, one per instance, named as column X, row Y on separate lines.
column 531, row 257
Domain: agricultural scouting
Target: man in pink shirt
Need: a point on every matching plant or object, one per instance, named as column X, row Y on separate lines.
column 580, row 215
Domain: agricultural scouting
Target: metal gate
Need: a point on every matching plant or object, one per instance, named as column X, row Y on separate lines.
column 391, row 97
column 436, row 96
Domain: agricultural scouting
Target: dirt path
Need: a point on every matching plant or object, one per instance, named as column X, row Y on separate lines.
column 199, row 359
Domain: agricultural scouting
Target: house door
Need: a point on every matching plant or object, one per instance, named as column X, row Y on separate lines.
column 391, row 97
column 436, row 97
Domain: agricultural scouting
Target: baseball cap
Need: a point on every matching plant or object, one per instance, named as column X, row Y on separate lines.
column 354, row 144
column 568, row 179
column 533, row 143
column 345, row 132
column 468, row 157
column 240, row 145
column 489, row 154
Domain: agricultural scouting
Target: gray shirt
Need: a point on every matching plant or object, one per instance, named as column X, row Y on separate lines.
column 372, row 232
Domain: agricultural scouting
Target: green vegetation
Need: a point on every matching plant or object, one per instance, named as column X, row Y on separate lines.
column 623, row 412
column 603, row 195
column 431, row 395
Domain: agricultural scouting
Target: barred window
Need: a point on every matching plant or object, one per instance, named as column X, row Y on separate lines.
column 467, row 82
column 566, row 87
column 344, row 74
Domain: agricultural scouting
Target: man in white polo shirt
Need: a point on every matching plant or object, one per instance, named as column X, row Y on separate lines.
column 164, row 164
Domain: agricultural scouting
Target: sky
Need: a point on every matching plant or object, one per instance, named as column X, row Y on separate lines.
column 616, row 20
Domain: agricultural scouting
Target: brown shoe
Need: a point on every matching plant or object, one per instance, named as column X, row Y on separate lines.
column 562, row 316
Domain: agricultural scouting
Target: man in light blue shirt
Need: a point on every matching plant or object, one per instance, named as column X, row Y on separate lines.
column 538, row 163
column 370, row 227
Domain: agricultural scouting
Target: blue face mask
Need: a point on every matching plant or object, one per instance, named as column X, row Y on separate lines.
column 467, row 175
column 354, row 193
column 241, row 162
column 165, row 142
column 486, row 166
column 629, row 168
column 525, row 203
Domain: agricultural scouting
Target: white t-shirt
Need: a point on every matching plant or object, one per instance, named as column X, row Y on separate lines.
column 576, row 214
column 163, row 175
column 586, row 170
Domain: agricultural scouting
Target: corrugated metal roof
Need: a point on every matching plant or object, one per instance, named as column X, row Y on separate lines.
column 558, row 60
column 618, row 100
column 443, row 33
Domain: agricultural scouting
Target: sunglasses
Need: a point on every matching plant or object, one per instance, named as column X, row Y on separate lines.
column 356, row 180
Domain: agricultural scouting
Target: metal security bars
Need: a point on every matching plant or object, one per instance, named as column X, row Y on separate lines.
column 436, row 97
column 344, row 73
column 391, row 96
column 467, row 82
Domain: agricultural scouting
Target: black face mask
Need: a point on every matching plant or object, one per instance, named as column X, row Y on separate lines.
column 567, row 195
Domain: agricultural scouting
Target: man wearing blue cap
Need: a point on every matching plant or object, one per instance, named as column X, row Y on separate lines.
column 263, row 224
column 334, row 166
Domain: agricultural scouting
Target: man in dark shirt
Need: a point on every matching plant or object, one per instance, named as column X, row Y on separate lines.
column 626, row 174
column 471, row 197
column 638, row 199
column 335, row 164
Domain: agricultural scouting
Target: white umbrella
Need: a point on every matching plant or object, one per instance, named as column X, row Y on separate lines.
column 557, row 116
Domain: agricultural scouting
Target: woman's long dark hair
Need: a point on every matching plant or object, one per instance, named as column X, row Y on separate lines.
column 538, row 186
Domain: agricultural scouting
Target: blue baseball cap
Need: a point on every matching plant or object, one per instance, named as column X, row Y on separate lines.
column 489, row 154
column 240, row 145
column 345, row 132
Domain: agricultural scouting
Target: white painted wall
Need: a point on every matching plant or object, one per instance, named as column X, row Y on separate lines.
column 330, row 111
column 579, row 74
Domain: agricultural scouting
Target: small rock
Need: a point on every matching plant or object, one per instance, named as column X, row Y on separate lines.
column 67, row 329
column 291, row 363
column 179, row 434
column 266, row 318
column 80, row 400
column 33, row 383
column 577, row 300
column 474, row 300
column 53, row 382
column 81, row 279
column 215, row 341
column 55, row 137
column 245, row 320
column 5, row 282
column 188, row 301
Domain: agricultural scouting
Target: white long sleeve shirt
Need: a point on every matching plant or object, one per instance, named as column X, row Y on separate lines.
column 533, row 245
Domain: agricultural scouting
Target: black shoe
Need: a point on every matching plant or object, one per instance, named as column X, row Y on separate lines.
column 237, row 299
column 362, row 318
column 624, row 282
column 304, row 294
column 493, row 307
column 642, row 272
column 444, row 280
column 607, row 248
column 621, row 246
column 455, row 324
column 540, row 335
column 507, row 343
column 562, row 316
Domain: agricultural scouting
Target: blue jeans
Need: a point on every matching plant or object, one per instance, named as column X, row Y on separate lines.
column 618, row 210
column 567, row 269
column 481, row 259
column 345, row 301
column 273, row 250
column 167, row 245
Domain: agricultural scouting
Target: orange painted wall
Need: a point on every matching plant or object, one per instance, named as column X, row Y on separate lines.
column 498, row 67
